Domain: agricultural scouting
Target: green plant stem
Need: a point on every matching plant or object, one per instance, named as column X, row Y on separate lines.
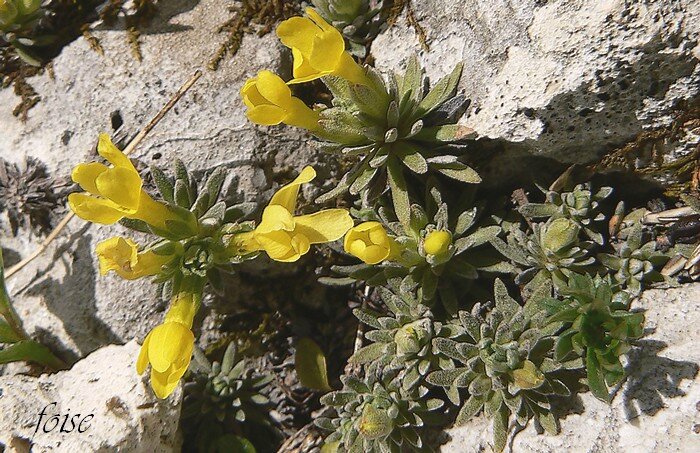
column 6, row 309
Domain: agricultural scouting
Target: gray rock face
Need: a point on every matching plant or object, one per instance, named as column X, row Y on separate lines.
column 61, row 295
column 565, row 79
column 655, row 410
column 125, row 414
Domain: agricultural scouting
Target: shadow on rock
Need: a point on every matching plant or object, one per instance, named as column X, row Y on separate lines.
column 72, row 299
column 652, row 378
column 604, row 113
column 160, row 23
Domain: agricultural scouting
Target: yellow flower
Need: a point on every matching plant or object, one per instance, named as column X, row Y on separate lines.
column 286, row 237
column 121, row 255
column 369, row 242
column 168, row 347
column 270, row 101
column 318, row 49
column 437, row 242
column 114, row 192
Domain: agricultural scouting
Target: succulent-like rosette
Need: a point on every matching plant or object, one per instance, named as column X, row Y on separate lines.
column 377, row 414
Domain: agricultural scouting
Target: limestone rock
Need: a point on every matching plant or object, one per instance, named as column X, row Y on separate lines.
column 657, row 408
column 566, row 80
column 126, row 414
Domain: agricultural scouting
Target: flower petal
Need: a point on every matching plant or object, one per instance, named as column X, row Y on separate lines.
column 170, row 343
column 286, row 196
column 298, row 33
column 106, row 149
column 324, row 226
column 272, row 87
column 275, row 218
column 121, row 186
column 266, row 115
column 94, row 209
column 86, row 174
column 278, row 245
column 251, row 95
column 142, row 361
column 162, row 383
column 327, row 50
column 117, row 254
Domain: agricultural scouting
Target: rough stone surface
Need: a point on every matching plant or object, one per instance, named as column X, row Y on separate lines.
column 127, row 417
column 566, row 79
column 61, row 296
column 657, row 408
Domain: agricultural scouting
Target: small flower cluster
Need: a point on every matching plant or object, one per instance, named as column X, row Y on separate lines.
column 199, row 236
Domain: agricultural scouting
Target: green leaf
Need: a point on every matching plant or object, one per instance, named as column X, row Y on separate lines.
column 505, row 304
column 470, row 408
column 368, row 353
column 330, row 447
column 411, row 157
column 549, row 422
column 596, row 379
column 7, row 335
column 30, row 351
column 182, row 194
column 446, row 378
column 399, row 193
column 445, row 133
column 500, row 429
column 368, row 317
column 230, row 443
column 215, row 183
column 460, row 172
column 537, row 210
column 310, row 364
column 28, row 56
column 441, row 92
column 164, row 184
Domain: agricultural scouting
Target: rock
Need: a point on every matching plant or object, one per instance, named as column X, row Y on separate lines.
column 61, row 297
column 565, row 80
column 126, row 414
column 657, row 409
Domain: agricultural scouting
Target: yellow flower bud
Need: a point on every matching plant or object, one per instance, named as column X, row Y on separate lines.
column 115, row 192
column 286, row 237
column 437, row 242
column 168, row 347
column 8, row 12
column 369, row 242
column 270, row 101
column 318, row 49
column 121, row 256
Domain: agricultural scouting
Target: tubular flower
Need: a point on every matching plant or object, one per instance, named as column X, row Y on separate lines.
column 121, row 256
column 437, row 242
column 168, row 347
column 318, row 49
column 369, row 242
column 286, row 237
column 115, row 192
column 270, row 101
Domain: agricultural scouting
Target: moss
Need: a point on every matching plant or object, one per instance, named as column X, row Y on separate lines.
column 646, row 154
column 398, row 7
column 251, row 16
